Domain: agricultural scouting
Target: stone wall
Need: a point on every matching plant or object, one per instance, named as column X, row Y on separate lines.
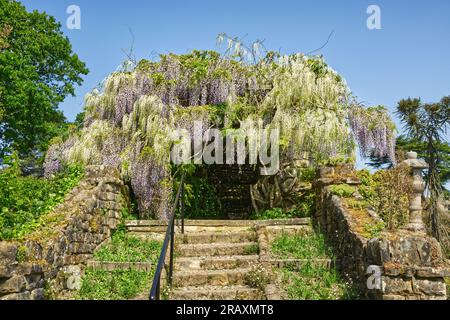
column 47, row 265
column 396, row 265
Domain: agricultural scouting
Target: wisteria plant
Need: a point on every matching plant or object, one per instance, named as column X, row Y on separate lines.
column 128, row 121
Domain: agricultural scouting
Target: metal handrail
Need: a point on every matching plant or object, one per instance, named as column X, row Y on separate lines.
column 155, row 292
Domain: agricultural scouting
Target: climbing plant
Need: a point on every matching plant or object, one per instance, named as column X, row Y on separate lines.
column 129, row 120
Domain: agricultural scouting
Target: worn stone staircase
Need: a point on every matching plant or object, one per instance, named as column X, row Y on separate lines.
column 212, row 259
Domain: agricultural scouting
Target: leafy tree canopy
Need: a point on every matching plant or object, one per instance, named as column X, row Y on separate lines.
column 443, row 149
column 428, row 124
column 37, row 71
column 405, row 144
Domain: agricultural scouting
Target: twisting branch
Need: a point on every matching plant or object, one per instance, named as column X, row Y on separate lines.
column 323, row 46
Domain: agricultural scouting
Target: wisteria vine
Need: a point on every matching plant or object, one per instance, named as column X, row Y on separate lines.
column 128, row 123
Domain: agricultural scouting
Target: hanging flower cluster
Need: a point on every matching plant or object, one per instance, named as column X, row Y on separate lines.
column 374, row 131
column 310, row 102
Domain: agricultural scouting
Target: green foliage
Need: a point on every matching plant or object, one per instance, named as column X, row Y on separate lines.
column 321, row 69
column 387, row 192
column 37, row 71
column 275, row 213
column 405, row 144
column 356, row 204
column 120, row 284
column 314, row 282
column 368, row 186
column 365, row 176
column 22, row 254
column 126, row 248
column 342, row 190
column 302, row 211
column 335, row 161
column 24, row 200
column 130, row 213
column 252, row 249
column 113, row 285
column 374, row 230
column 308, row 174
column 306, row 205
column 392, row 196
column 300, row 246
column 258, row 277
column 79, row 120
column 201, row 200
column 429, row 123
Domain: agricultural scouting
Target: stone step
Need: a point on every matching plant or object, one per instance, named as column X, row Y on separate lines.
column 219, row 223
column 189, row 229
column 217, row 237
column 215, row 263
column 188, row 222
column 210, row 277
column 146, row 229
column 297, row 264
column 217, row 293
column 217, row 249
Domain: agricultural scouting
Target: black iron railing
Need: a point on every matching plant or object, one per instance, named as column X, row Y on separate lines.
column 169, row 239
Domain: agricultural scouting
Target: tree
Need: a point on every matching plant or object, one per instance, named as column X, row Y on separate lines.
column 427, row 124
column 4, row 34
column 37, row 71
column 405, row 144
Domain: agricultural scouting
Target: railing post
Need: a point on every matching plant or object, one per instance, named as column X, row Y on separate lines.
column 169, row 237
column 172, row 239
column 182, row 207
column 158, row 289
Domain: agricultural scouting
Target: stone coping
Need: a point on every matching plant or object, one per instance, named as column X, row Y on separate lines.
column 416, row 271
column 222, row 223
column 298, row 263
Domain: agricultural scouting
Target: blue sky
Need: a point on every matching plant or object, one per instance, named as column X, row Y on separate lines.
column 409, row 56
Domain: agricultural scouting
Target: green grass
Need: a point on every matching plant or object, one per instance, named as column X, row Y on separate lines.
column 311, row 281
column 342, row 190
column 308, row 246
column 276, row 213
column 126, row 248
column 113, row 285
column 252, row 249
column 304, row 209
column 120, row 284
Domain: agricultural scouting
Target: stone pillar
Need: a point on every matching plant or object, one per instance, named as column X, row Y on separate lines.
column 418, row 187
